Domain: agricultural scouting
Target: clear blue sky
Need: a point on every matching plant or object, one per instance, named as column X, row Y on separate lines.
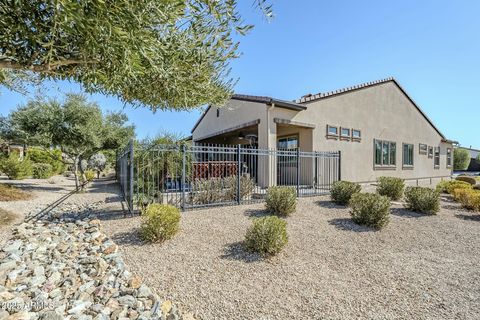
column 431, row 46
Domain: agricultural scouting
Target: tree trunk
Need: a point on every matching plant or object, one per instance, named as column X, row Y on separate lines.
column 84, row 178
column 75, row 172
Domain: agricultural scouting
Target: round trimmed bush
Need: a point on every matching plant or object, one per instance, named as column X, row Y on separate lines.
column 267, row 235
column 15, row 168
column 42, row 170
column 281, row 201
column 467, row 179
column 391, row 187
column 370, row 209
column 89, row 175
column 469, row 198
column 424, row 200
column 160, row 222
column 451, row 185
column 342, row 191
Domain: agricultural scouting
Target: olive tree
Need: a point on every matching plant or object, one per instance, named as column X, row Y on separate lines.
column 98, row 163
column 461, row 159
column 75, row 125
column 164, row 54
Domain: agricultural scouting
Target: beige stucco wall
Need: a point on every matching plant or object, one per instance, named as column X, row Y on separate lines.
column 380, row 112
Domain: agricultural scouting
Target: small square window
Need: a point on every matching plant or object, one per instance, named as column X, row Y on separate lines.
column 332, row 131
column 345, row 132
column 356, row 134
column 423, row 148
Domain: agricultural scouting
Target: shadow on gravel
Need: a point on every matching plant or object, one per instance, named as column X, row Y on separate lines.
column 472, row 217
column 236, row 251
column 257, row 213
column 129, row 238
column 346, row 224
column 404, row 213
column 329, row 204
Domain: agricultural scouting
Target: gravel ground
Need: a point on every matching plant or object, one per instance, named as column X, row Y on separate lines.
column 418, row 267
column 47, row 191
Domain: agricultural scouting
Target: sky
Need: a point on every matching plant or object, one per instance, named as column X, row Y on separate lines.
column 431, row 47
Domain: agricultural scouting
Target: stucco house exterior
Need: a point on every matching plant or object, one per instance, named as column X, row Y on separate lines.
column 377, row 127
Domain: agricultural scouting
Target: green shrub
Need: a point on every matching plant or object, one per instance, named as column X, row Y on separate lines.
column 89, row 175
column 370, row 209
column 461, row 159
column 390, row 187
column 281, row 200
column 469, row 198
column 467, row 179
column 342, row 191
column 14, row 168
column 41, row 171
column 247, row 186
column 267, row 235
column 424, row 200
column 207, row 191
column 160, row 222
column 450, row 185
column 52, row 157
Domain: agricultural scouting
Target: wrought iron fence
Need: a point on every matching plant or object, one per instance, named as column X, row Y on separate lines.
column 211, row 175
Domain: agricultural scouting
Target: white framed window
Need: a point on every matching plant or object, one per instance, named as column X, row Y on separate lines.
column 422, row 148
column 408, row 155
column 430, row 152
column 385, row 154
column 436, row 160
column 449, row 158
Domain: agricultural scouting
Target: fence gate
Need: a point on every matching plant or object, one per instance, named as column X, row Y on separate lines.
column 211, row 175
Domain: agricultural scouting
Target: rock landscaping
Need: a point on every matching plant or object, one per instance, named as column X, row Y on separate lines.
column 64, row 267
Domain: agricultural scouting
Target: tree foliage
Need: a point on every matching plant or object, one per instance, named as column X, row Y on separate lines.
column 461, row 159
column 166, row 54
column 75, row 125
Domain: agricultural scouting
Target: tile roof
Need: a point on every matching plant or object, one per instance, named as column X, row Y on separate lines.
column 312, row 97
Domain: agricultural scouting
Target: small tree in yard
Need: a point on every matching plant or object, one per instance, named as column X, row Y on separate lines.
column 75, row 125
column 461, row 159
column 98, row 163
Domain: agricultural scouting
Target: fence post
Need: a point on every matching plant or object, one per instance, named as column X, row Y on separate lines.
column 298, row 173
column 183, row 176
column 130, row 200
column 339, row 165
column 239, row 163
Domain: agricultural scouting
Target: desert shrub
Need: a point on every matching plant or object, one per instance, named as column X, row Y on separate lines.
column 267, row 235
column 461, row 159
column 370, row 209
column 207, row 191
column 160, row 222
column 89, row 175
column 281, row 200
column 470, row 199
column 52, row 157
column 451, row 185
column 15, row 168
column 11, row 193
column 467, row 179
column 41, row 171
column 391, row 187
column 342, row 191
column 247, row 186
column 424, row 200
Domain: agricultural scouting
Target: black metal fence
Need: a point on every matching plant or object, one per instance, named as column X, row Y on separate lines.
column 201, row 176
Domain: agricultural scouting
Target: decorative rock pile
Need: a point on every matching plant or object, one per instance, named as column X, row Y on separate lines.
column 68, row 269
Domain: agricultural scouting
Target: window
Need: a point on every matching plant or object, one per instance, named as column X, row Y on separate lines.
column 385, row 153
column 218, row 112
column 332, row 131
column 345, row 133
column 436, row 160
column 288, row 143
column 430, row 152
column 407, row 155
column 423, row 148
column 356, row 134
column 449, row 157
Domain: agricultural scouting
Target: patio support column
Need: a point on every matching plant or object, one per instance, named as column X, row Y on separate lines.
column 267, row 140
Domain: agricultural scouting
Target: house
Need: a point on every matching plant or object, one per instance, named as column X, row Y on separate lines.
column 377, row 127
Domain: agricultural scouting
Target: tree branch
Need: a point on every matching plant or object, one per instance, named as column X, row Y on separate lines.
column 43, row 68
